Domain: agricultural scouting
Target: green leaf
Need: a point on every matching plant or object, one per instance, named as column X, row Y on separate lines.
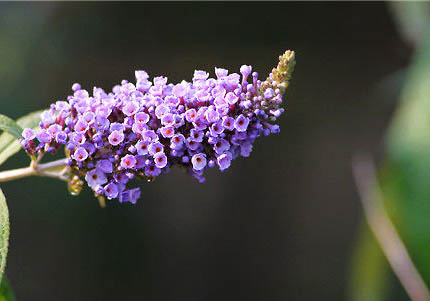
column 10, row 126
column 406, row 180
column 369, row 269
column 6, row 293
column 405, row 176
column 412, row 19
column 4, row 232
column 8, row 143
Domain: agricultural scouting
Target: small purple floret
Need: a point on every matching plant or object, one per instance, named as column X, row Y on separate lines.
column 199, row 161
column 116, row 137
column 160, row 160
column 28, row 134
column 111, row 190
column 80, row 154
column 128, row 161
column 44, row 137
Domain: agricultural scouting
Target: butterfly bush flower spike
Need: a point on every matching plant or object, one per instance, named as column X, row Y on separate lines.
column 140, row 130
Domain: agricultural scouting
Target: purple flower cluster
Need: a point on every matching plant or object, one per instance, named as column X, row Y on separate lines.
column 141, row 130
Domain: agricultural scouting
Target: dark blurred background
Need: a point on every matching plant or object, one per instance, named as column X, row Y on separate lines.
column 279, row 225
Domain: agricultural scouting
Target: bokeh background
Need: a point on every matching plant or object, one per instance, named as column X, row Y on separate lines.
column 280, row 225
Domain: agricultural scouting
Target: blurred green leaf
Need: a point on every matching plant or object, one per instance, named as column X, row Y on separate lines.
column 8, row 143
column 10, row 126
column 405, row 176
column 6, row 293
column 412, row 19
column 4, row 232
column 369, row 269
column 406, row 180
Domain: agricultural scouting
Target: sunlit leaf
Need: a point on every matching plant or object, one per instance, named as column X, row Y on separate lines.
column 6, row 293
column 9, row 125
column 4, row 232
